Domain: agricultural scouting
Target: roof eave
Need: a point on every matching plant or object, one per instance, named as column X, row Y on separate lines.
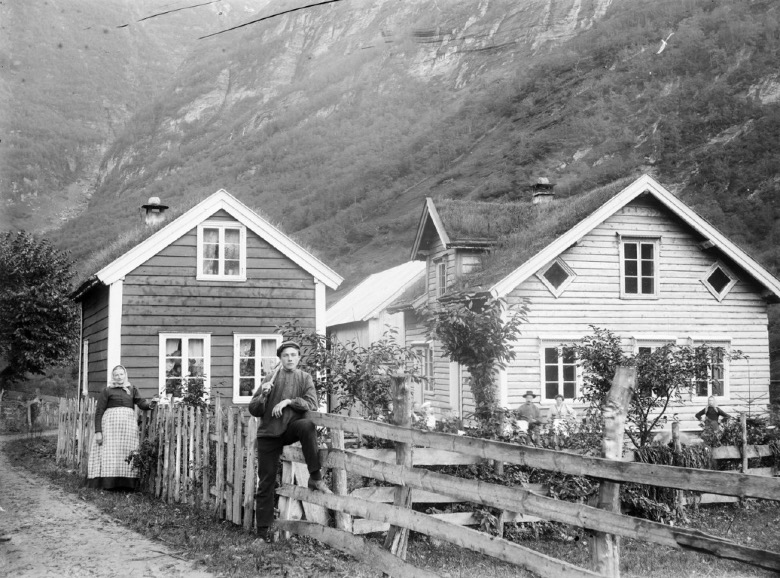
column 77, row 294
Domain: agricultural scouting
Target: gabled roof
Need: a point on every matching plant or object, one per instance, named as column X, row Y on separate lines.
column 467, row 224
column 374, row 294
column 221, row 200
column 643, row 185
column 413, row 297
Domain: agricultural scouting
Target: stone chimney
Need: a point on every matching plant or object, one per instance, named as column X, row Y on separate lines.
column 153, row 211
column 542, row 191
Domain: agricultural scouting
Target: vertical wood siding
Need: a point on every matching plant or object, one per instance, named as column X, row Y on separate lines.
column 684, row 307
column 162, row 295
column 94, row 313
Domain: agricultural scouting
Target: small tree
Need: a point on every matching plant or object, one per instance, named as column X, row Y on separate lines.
column 359, row 377
column 474, row 333
column 39, row 325
column 665, row 375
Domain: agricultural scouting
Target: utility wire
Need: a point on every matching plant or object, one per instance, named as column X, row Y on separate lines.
column 170, row 11
column 269, row 17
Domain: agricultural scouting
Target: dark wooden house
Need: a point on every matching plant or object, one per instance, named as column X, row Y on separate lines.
column 200, row 300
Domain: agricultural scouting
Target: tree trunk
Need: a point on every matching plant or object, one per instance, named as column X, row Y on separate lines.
column 605, row 548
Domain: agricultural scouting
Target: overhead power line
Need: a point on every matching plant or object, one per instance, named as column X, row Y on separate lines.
column 170, row 11
column 269, row 17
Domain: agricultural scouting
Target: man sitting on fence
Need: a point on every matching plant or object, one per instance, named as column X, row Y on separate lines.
column 280, row 403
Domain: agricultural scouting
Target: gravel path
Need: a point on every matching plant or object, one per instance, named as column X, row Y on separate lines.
column 45, row 531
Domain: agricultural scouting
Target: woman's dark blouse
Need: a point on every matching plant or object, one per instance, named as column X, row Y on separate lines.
column 117, row 397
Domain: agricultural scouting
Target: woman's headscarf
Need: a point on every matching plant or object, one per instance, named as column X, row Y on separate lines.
column 127, row 386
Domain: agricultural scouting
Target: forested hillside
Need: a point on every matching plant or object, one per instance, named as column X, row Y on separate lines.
column 337, row 121
column 72, row 73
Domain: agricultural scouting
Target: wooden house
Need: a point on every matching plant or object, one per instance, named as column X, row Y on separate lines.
column 631, row 259
column 362, row 316
column 199, row 299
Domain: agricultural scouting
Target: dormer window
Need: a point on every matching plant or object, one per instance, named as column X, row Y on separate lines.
column 718, row 280
column 221, row 252
column 556, row 276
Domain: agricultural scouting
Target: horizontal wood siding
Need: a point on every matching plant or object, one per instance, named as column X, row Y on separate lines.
column 684, row 307
column 94, row 312
column 351, row 332
column 162, row 295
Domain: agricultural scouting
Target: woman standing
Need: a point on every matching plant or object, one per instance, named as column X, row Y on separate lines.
column 561, row 414
column 116, row 434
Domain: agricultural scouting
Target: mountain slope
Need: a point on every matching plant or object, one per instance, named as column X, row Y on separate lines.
column 70, row 78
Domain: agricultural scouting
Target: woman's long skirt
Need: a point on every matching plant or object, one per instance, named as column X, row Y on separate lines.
column 108, row 466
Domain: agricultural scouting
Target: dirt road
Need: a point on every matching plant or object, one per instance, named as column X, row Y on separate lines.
column 47, row 532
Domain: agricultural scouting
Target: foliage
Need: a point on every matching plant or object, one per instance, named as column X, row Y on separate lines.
column 358, row 377
column 474, row 332
column 664, row 376
column 144, row 459
column 187, row 390
column 39, row 320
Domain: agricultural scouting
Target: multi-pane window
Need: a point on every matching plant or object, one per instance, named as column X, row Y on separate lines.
column 424, row 355
column 184, row 363
column 254, row 359
column 559, row 372
column 711, row 376
column 441, row 277
column 719, row 280
column 639, row 268
column 221, row 251
column 556, row 276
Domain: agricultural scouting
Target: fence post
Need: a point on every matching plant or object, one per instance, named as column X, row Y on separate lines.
column 605, row 548
column 398, row 538
column 339, row 475
column 743, row 423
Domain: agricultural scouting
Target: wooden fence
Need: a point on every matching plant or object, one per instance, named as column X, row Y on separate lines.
column 206, row 457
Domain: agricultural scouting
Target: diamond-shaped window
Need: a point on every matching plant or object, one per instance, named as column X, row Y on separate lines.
column 718, row 280
column 556, row 276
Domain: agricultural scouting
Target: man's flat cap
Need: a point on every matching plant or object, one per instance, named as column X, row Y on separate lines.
column 285, row 345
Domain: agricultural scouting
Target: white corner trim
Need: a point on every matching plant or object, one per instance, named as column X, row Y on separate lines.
column 114, row 345
column 454, row 383
column 503, row 389
column 320, row 319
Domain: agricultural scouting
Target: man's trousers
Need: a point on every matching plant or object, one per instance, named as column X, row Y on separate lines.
column 269, row 450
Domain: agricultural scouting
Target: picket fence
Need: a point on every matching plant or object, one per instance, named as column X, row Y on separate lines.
column 206, row 457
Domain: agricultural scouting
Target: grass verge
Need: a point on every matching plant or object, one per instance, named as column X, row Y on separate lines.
column 227, row 550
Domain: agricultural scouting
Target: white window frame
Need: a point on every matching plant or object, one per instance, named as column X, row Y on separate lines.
column 222, row 227
column 441, row 272
column 185, row 337
column 653, row 341
column 713, row 341
column 704, row 280
column 558, row 344
column 556, row 292
column 258, row 337
column 424, row 363
column 639, row 240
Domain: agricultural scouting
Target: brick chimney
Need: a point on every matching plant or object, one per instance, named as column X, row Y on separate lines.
column 153, row 211
column 542, row 191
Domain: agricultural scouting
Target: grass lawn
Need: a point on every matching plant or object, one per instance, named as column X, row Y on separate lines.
column 227, row 550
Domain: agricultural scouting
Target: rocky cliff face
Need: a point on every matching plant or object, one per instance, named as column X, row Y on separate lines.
column 71, row 76
column 367, row 50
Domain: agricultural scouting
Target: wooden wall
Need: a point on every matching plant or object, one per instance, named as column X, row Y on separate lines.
column 94, row 319
column 684, row 307
column 162, row 295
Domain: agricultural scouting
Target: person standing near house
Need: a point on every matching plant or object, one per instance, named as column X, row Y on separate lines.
column 116, row 434
column 561, row 414
column 711, row 414
column 280, row 404
column 528, row 415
